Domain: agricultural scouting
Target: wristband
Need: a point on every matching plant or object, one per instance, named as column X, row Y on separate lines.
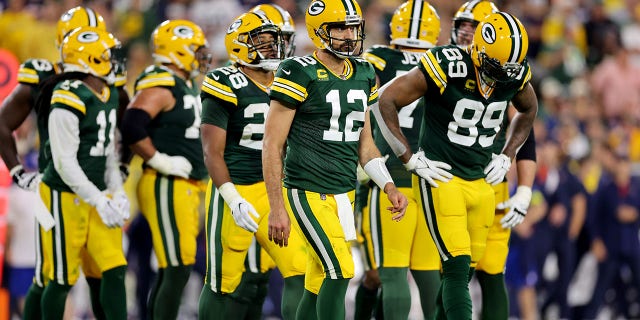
column 228, row 192
column 378, row 172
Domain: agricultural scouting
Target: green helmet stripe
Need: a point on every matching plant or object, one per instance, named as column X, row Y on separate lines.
column 516, row 38
column 416, row 15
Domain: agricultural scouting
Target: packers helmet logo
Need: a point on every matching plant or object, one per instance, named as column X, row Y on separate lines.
column 88, row 37
column 316, row 8
column 234, row 26
column 488, row 33
column 183, row 32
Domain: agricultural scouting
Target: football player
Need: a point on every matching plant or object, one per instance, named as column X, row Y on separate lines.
column 235, row 100
column 81, row 185
column 319, row 109
column 490, row 268
column 467, row 92
column 31, row 75
column 392, row 248
column 162, row 126
column 283, row 20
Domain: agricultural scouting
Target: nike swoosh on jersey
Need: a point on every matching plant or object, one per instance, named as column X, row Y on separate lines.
column 215, row 77
column 287, row 72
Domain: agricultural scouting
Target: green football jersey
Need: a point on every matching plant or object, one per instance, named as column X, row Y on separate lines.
column 97, row 124
column 176, row 132
column 34, row 72
column 460, row 122
column 322, row 145
column 389, row 63
column 234, row 102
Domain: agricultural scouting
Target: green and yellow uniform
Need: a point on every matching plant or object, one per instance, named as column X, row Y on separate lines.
column 34, row 72
column 495, row 257
column 170, row 203
column 78, row 225
column 234, row 102
column 460, row 128
column 322, row 154
column 404, row 243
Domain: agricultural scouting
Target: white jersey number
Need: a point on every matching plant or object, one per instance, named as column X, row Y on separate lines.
column 99, row 150
column 467, row 114
column 252, row 128
column 193, row 102
column 334, row 133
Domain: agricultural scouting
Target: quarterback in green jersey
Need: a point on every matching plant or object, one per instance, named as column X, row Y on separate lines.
column 33, row 75
column 81, row 185
column 162, row 126
column 391, row 248
column 319, row 109
column 235, row 101
column 468, row 90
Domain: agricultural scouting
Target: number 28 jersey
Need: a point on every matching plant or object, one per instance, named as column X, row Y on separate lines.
column 322, row 146
column 460, row 123
column 232, row 101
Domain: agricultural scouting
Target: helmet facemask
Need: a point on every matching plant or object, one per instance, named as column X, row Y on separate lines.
column 463, row 35
column 348, row 47
column 289, row 41
column 496, row 75
column 264, row 52
column 202, row 60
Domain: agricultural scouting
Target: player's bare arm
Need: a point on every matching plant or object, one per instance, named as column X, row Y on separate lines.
column 152, row 101
column 15, row 109
column 370, row 159
column 394, row 95
column 213, row 145
column 277, row 127
column 526, row 102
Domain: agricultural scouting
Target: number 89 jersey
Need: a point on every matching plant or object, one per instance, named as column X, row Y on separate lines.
column 232, row 101
column 176, row 132
column 460, row 123
column 322, row 146
column 97, row 124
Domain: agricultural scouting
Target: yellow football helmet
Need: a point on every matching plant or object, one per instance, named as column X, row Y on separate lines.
column 75, row 18
column 323, row 15
column 473, row 12
column 282, row 19
column 89, row 50
column 182, row 43
column 415, row 24
column 499, row 48
column 247, row 46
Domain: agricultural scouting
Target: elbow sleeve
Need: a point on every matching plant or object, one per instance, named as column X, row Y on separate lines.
column 134, row 125
column 528, row 149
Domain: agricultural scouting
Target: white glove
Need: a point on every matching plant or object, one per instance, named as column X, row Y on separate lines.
column 497, row 169
column 170, row 165
column 240, row 209
column 109, row 212
column 122, row 203
column 428, row 169
column 519, row 203
column 25, row 180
